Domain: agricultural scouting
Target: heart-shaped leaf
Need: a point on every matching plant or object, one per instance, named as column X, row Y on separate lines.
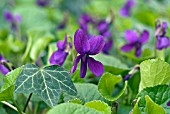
column 84, row 94
column 100, row 106
column 154, row 72
column 72, row 108
column 111, row 64
column 107, row 84
column 48, row 82
column 152, row 108
column 159, row 94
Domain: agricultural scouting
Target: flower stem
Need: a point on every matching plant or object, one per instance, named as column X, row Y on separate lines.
column 19, row 111
column 27, row 102
column 114, row 107
column 8, row 104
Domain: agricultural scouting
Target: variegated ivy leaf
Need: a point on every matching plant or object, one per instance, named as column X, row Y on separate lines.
column 48, row 82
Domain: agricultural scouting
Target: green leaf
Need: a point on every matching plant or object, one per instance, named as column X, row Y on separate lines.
column 39, row 46
column 7, row 90
column 111, row 64
column 86, row 92
column 154, row 72
column 72, row 108
column 99, row 106
column 76, row 100
column 48, row 82
column 159, row 94
column 153, row 108
column 107, row 84
column 136, row 109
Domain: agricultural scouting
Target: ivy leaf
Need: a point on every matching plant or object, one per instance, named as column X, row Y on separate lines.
column 152, row 74
column 7, row 90
column 72, row 108
column 111, row 64
column 84, row 94
column 107, row 84
column 48, row 82
column 99, row 105
column 159, row 94
column 153, row 108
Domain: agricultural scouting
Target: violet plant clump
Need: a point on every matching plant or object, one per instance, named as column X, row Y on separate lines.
column 59, row 56
column 162, row 41
column 13, row 19
column 87, row 45
column 104, row 29
column 126, row 8
column 135, row 41
column 44, row 71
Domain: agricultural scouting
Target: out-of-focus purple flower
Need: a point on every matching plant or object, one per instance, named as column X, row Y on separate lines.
column 107, row 46
column 104, row 29
column 62, row 24
column 3, row 68
column 13, row 19
column 162, row 40
column 126, row 8
column 59, row 56
column 135, row 41
column 168, row 103
column 87, row 45
column 84, row 20
column 43, row 2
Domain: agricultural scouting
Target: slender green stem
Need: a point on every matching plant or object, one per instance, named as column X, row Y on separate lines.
column 36, row 108
column 114, row 107
column 27, row 102
column 19, row 110
column 8, row 104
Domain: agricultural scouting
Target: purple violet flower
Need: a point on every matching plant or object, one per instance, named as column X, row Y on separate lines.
column 103, row 28
column 43, row 2
column 3, row 68
column 84, row 20
column 162, row 40
column 13, row 19
column 126, row 9
column 59, row 56
column 168, row 103
column 88, row 45
column 135, row 41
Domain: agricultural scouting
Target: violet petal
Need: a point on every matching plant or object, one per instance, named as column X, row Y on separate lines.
column 61, row 44
column 3, row 69
column 81, row 42
column 131, row 35
column 8, row 15
column 17, row 18
column 162, row 42
column 76, row 61
column 83, row 67
column 138, row 50
column 58, row 57
column 127, row 47
column 96, row 44
column 95, row 66
column 144, row 36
